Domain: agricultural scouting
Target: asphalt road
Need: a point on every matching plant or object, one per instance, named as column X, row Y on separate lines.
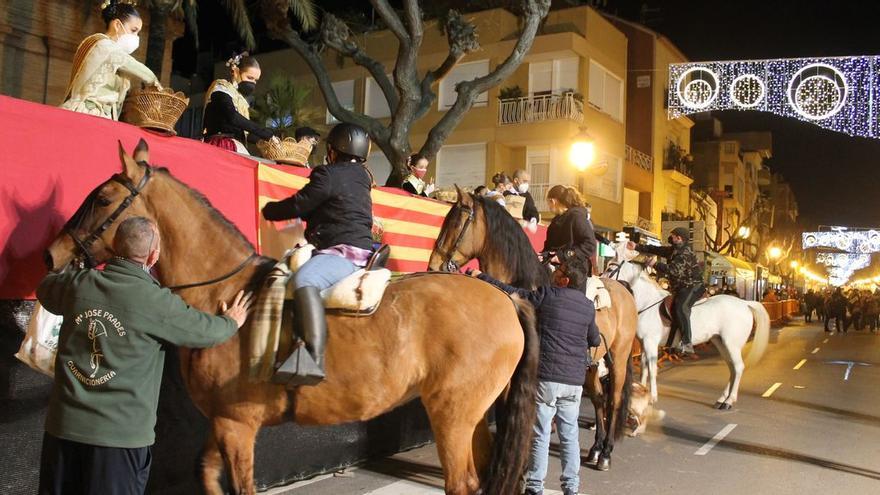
column 817, row 432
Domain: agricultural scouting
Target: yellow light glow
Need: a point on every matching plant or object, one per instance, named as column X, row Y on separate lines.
column 774, row 252
column 582, row 154
column 744, row 232
column 794, row 264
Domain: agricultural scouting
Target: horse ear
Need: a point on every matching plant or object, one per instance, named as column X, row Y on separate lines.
column 464, row 199
column 142, row 152
column 130, row 168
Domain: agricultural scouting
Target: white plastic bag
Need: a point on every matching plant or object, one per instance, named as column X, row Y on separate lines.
column 41, row 341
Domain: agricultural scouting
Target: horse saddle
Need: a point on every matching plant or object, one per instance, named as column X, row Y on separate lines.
column 666, row 305
column 598, row 293
column 357, row 294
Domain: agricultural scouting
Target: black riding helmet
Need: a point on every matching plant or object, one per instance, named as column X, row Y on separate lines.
column 349, row 139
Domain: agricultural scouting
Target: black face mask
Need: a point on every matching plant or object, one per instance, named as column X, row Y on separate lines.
column 246, row 88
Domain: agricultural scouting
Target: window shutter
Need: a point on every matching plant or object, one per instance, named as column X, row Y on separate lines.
column 565, row 74
column 345, row 94
column 376, row 105
column 540, row 77
column 463, row 164
column 462, row 72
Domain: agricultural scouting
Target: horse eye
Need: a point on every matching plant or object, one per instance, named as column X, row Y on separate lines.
column 102, row 201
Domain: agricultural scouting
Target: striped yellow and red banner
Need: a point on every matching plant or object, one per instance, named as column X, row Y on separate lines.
column 411, row 224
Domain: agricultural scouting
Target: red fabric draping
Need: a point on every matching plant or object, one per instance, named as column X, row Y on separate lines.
column 50, row 159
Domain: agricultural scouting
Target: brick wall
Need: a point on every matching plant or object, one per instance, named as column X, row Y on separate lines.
column 38, row 39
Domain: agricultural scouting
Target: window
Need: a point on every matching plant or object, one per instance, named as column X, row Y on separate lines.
column 608, row 185
column 606, row 91
column 463, row 164
column 741, row 191
column 730, row 147
column 538, row 166
column 345, row 94
column 553, row 76
column 462, row 72
column 375, row 104
column 379, row 166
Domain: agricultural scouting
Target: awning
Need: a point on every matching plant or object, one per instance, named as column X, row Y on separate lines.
column 734, row 266
column 774, row 279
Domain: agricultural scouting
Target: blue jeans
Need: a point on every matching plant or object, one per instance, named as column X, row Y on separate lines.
column 322, row 271
column 564, row 403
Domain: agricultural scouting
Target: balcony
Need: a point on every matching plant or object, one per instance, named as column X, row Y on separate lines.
column 642, row 160
column 637, row 221
column 544, row 108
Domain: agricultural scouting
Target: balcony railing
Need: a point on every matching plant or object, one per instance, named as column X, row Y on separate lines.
column 639, row 159
column 531, row 109
column 637, row 221
column 681, row 167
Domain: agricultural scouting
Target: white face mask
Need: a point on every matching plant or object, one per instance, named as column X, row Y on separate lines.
column 129, row 42
column 523, row 188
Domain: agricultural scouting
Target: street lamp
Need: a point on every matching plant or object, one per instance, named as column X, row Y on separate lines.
column 794, row 264
column 744, row 232
column 583, row 150
column 774, row 252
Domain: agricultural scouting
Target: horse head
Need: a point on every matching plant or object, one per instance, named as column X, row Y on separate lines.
column 88, row 234
column 462, row 235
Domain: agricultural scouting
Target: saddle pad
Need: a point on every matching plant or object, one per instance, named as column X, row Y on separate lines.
column 597, row 293
column 360, row 292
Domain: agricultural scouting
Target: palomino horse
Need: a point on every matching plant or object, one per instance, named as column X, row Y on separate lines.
column 725, row 320
column 419, row 343
column 479, row 228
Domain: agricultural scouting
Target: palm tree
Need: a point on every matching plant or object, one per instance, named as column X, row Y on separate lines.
column 304, row 11
column 286, row 106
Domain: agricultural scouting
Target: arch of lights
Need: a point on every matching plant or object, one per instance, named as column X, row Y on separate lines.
column 836, row 93
column 857, row 247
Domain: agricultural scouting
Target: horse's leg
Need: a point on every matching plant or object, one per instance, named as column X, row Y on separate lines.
column 722, row 349
column 736, row 365
column 645, row 375
column 212, row 467
column 614, row 404
column 454, row 442
column 481, row 449
column 597, row 397
column 650, row 352
column 236, row 442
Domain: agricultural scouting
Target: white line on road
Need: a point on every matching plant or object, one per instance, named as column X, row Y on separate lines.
column 825, row 341
column 800, row 363
column 815, row 351
column 406, row 487
column 772, row 389
column 714, row 441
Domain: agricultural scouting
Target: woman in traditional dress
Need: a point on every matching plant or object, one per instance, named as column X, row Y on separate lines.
column 414, row 183
column 227, row 110
column 103, row 68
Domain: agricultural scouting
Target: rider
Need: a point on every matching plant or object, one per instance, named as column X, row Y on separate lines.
column 685, row 279
column 571, row 227
column 337, row 207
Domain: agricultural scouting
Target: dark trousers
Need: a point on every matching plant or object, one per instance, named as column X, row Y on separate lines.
column 73, row 468
column 681, row 306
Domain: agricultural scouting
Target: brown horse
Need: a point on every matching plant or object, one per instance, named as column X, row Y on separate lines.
column 479, row 228
column 424, row 341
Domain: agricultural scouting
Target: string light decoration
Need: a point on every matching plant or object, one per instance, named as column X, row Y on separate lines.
column 856, row 244
column 835, row 93
column 853, row 261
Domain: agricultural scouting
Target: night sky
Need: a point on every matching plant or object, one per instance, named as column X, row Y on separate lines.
column 833, row 175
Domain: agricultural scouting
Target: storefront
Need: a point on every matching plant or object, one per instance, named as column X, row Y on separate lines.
column 730, row 274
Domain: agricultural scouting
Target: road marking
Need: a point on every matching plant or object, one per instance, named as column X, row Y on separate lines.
column 800, row 363
column 815, row 351
column 772, row 389
column 406, row 487
column 825, row 341
column 714, row 441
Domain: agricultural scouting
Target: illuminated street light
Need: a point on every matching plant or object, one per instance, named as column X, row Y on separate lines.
column 583, row 150
column 774, row 252
column 794, row 264
column 744, row 232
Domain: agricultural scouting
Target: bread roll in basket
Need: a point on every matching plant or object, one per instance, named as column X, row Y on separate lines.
column 287, row 151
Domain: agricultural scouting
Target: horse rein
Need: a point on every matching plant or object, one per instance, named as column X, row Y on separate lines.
column 83, row 245
column 615, row 274
column 449, row 264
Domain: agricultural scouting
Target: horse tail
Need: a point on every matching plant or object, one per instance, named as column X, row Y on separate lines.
column 625, row 397
column 513, row 437
column 762, row 332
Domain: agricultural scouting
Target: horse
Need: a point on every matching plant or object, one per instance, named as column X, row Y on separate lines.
column 420, row 342
column 724, row 320
column 479, row 228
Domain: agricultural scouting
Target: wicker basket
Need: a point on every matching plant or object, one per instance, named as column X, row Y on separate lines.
column 286, row 151
column 154, row 109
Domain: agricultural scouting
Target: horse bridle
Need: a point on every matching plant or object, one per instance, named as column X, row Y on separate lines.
column 448, row 263
column 83, row 245
column 616, row 276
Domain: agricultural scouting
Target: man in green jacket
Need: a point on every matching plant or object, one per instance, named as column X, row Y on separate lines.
column 102, row 410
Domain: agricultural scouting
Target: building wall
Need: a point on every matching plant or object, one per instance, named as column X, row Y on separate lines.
column 39, row 38
column 578, row 32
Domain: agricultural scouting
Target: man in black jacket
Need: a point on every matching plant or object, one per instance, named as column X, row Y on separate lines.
column 337, row 207
column 685, row 276
column 521, row 179
column 566, row 322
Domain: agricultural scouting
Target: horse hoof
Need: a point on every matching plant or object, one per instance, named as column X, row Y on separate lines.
column 725, row 407
column 718, row 404
column 604, row 464
column 593, row 458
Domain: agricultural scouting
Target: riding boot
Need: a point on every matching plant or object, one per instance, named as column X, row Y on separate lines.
column 306, row 365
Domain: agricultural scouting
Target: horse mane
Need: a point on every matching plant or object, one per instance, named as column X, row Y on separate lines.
column 204, row 201
column 504, row 233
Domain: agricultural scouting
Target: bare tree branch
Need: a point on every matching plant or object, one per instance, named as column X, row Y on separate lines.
column 414, row 20
column 392, row 20
column 306, row 51
column 336, row 34
column 534, row 12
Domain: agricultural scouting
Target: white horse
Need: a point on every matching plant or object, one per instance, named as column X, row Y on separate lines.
column 725, row 320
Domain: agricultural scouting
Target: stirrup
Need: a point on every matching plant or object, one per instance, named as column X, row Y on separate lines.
column 299, row 369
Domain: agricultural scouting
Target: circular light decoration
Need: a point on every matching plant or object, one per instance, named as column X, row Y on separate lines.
column 747, row 91
column 697, row 88
column 818, row 91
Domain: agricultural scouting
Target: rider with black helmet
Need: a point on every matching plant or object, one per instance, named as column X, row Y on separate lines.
column 337, row 207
